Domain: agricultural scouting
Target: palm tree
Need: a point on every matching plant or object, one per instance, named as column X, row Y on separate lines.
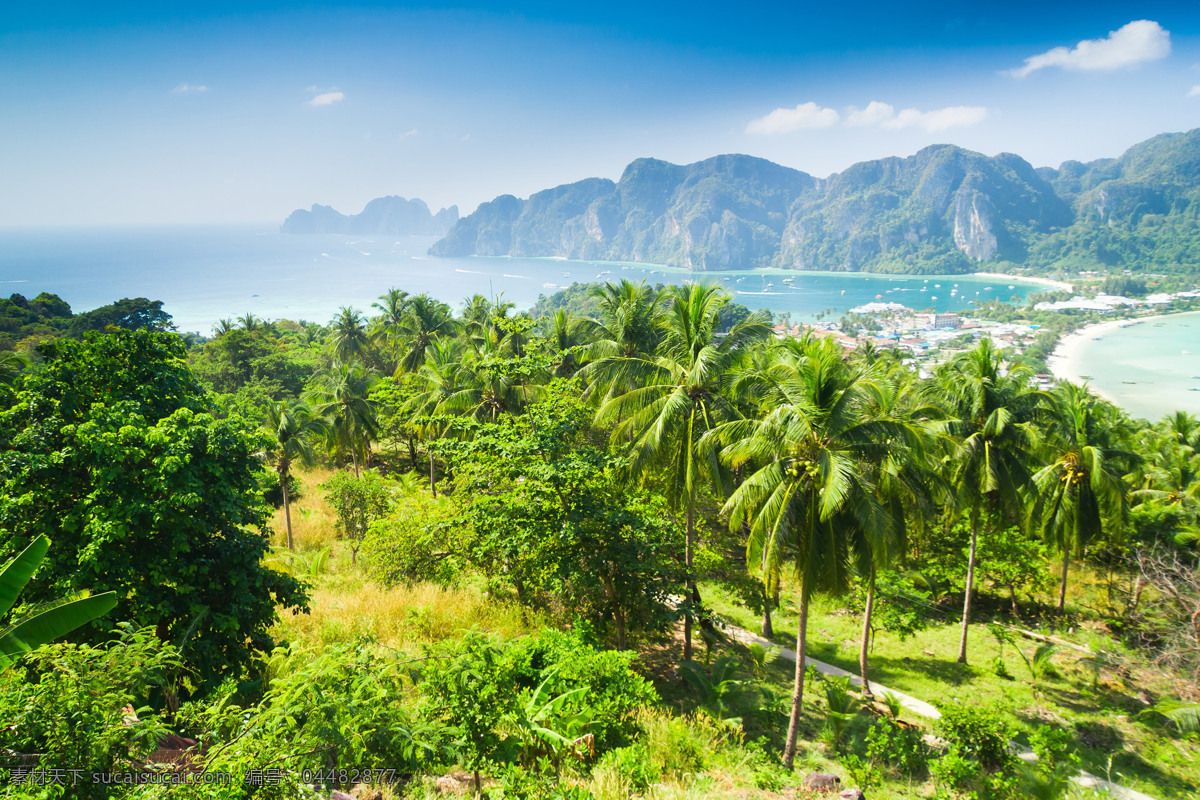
column 907, row 484
column 250, row 322
column 223, row 327
column 1080, row 491
column 349, row 335
column 292, row 426
column 813, row 499
column 11, row 364
column 566, row 335
column 990, row 415
column 342, row 395
column 386, row 328
column 425, row 321
column 630, row 327
column 677, row 397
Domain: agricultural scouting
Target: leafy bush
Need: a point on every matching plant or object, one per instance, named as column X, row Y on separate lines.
column 978, row 733
column 901, row 749
column 343, row 706
column 416, row 541
column 631, row 763
column 71, row 703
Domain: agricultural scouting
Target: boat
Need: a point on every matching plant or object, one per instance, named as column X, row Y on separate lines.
column 1129, row 382
column 1086, row 377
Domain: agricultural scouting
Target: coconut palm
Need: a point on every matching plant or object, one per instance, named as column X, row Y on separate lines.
column 11, row 364
column 812, row 499
column 385, row 329
column 292, row 426
column 566, row 335
column 678, row 396
column 630, row 327
column 249, row 322
column 223, row 327
column 425, row 321
column 991, row 413
column 1080, row 492
column 342, row 396
column 908, row 484
column 349, row 337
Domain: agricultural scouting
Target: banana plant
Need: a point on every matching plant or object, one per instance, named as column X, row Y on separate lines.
column 540, row 726
column 47, row 622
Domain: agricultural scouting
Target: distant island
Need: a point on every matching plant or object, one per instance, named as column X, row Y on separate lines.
column 943, row 210
column 384, row 215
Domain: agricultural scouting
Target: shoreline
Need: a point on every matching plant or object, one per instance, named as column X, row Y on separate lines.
column 1048, row 282
column 1063, row 363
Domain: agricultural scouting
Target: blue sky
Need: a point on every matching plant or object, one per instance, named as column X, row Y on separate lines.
column 125, row 113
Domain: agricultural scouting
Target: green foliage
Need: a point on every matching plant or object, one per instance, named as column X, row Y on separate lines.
column 43, row 624
column 343, row 705
column 714, row 687
column 977, row 733
column 898, row 748
column 46, row 314
column 136, row 314
column 552, row 515
column 111, row 451
column 841, row 706
column 422, row 538
column 358, row 501
column 74, row 704
column 525, row 701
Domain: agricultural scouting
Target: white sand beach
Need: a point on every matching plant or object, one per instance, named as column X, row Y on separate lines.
column 1144, row 374
column 1047, row 282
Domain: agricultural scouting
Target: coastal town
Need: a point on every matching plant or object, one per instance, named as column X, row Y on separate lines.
column 927, row 338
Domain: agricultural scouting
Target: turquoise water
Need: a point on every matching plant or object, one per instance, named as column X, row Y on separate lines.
column 1148, row 369
column 205, row 274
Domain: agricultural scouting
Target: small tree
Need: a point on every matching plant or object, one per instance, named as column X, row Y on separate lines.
column 358, row 502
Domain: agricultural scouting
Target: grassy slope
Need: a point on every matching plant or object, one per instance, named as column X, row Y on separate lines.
column 346, row 604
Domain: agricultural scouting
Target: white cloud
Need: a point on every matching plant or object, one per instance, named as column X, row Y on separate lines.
column 875, row 113
column 939, row 120
column 1195, row 91
column 1139, row 41
column 464, row 137
column 187, row 88
column 327, row 99
column 806, row 116
column 413, row 132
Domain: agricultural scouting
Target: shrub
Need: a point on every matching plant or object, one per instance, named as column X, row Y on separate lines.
column 980, row 734
column 416, row 541
column 629, row 763
column 901, row 749
column 71, row 705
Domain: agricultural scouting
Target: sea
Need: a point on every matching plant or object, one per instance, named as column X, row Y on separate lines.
column 1150, row 369
column 204, row 274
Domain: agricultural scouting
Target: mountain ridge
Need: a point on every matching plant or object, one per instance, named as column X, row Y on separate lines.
column 944, row 209
column 391, row 215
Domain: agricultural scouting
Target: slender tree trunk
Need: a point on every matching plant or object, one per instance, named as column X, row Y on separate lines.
column 432, row 482
column 412, row 454
column 789, row 749
column 691, row 579
column 768, row 629
column 287, row 511
column 1012, row 596
column 1062, row 590
column 354, row 458
column 865, row 646
column 966, row 620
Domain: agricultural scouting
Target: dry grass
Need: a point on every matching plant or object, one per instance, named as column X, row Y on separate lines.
column 346, row 606
column 312, row 518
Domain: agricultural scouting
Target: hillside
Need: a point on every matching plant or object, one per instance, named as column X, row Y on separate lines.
column 383, row 215
column 942, row 210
